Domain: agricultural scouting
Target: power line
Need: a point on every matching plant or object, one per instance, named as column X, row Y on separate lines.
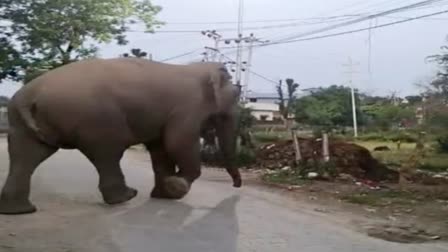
column 258, row 21
column 354, row 31
column 264, row 77
column 347, row 32
column 269, row 27
column 166, row 31
column 362, row 19
column 180, row 55
column 370, row 28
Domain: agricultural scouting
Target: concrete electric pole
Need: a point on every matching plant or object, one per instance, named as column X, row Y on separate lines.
column 351, row 71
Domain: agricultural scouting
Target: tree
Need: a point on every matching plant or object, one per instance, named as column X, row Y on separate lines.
column 385, row 116
column 51, row 33
column 136, row 53
column 329, row 107
column 245, row 122
column 439, row 84
column 10, row 59
column 286, row 107
column 414, row 99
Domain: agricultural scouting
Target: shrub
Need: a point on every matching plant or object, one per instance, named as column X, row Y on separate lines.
column 245, row 156
column 442, row 143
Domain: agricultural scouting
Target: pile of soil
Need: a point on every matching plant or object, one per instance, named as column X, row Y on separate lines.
column 348, row 158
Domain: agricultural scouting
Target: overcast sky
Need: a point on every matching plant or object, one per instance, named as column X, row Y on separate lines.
column 397, row 52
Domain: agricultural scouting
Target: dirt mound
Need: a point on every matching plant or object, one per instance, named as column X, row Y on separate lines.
column 347, row 158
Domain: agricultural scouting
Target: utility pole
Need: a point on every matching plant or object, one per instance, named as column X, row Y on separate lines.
column 217, row 38
column 237, row 66
column 251, row 40
column 238, row 41
column 351, row 71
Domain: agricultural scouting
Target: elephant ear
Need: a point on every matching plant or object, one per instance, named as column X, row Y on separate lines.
column 225, row 94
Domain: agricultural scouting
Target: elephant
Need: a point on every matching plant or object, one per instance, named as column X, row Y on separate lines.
column 101, row 107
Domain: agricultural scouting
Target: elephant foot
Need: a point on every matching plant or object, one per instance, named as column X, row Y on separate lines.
column 118, row 194
column 16, row 207
column 175, row 188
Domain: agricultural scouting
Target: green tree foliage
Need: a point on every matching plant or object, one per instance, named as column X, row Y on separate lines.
column 387, row 115
column 51, row 33
column 10, row 60
column 329, row 106
column 135, row 53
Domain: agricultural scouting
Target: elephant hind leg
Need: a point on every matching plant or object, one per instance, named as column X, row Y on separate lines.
column 25, row 154
column 112, row 184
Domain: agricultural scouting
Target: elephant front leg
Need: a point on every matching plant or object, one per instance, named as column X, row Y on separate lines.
column 182, row 145
column 163, row 167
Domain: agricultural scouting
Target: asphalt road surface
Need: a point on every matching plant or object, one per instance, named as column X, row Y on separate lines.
column 213, row 217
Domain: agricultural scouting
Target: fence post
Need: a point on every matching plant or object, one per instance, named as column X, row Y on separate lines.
column 296, row 146
column 325, row 147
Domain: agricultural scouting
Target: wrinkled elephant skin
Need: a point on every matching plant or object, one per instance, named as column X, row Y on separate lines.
column 103, row 106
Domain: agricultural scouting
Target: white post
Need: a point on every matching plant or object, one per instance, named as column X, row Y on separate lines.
column 353, row 98
column 355, row 120
column 325, row 147
column 296, row 143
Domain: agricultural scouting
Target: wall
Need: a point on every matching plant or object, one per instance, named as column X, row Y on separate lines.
column 3, row 119
column 269, row 116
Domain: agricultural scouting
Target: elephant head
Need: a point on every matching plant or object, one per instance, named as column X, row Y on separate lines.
column 223, row 117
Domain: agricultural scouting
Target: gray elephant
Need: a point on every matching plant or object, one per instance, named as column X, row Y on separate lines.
column 101, row 107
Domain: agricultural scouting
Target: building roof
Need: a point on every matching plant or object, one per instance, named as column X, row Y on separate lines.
column 268, row 95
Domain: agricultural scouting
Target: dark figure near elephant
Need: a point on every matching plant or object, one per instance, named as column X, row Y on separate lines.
column 101, row 107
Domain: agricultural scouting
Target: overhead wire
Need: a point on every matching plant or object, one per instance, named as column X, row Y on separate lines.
column 353, row 31
column 181, row 55
column 359, row 20
column 342, row 33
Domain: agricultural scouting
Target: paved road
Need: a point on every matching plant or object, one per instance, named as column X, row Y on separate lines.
column 213, row 217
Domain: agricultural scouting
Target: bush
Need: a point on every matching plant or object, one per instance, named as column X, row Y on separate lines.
column 442, row 143
column 245, row 157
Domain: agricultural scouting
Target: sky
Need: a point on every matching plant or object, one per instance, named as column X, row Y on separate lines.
column 397, row 53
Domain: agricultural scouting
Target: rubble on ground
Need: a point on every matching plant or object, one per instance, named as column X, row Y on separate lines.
column 348, row 158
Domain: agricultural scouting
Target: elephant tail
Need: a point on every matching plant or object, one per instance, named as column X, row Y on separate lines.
column 26, row 111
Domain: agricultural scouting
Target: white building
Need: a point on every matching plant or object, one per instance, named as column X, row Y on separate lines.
column 264, row 111
column 265, row 106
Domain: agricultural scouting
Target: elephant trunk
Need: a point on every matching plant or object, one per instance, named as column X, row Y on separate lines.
column 226, row 133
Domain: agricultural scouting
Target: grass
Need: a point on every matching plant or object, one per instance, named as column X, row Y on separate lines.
column 270, row 137
column 284, row 177
column 432, row 161
column 381, row 198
